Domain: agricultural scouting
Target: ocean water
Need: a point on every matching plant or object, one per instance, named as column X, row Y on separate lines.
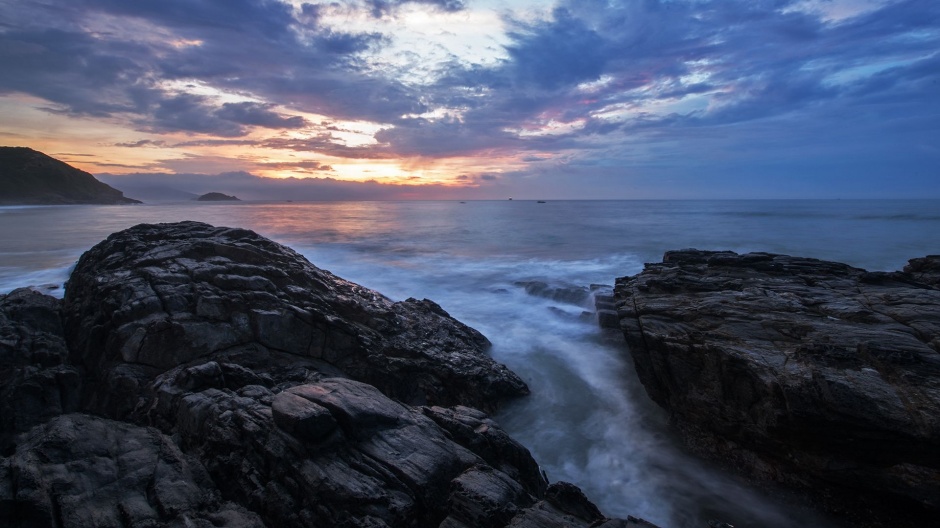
column 588, row 420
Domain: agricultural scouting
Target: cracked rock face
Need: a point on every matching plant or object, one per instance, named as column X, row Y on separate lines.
column 207, row 377
column 809, row 372
column 36, row 382
column 156, row 296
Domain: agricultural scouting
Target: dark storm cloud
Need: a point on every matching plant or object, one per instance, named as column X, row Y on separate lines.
column 559, row 53
column 265, row 18
column 70, row 54
column 71, row 70
column 747, row 60
column 191, row 113
column 258, row 114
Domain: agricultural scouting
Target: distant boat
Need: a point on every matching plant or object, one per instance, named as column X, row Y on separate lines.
column 540, row 201
column 510, row 199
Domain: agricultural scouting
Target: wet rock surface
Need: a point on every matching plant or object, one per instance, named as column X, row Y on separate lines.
column 156, row 296
column 202, row 376
column 36, row 381
column 812, row 373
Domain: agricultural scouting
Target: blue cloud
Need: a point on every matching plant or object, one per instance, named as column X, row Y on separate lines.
column 258, row 114
column 190, row 113
column 562, row 52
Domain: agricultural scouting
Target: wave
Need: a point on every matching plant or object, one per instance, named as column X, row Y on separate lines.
column 588, row 419
column 50, row 281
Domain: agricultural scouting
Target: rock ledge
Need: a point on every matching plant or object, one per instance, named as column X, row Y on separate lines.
column 808, row 372
column 196, row 376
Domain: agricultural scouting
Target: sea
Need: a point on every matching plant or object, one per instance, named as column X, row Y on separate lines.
column 588, row 420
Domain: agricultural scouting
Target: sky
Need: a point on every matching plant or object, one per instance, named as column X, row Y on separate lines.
column 481, row 99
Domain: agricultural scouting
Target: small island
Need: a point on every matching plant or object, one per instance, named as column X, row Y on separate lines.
column 217, row 197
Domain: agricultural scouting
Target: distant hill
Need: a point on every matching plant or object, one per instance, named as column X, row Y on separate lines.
column 217, row 197
column 28, row 177
column 146, row 191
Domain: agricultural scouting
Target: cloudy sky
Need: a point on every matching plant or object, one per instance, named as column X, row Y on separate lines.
column 482, row 98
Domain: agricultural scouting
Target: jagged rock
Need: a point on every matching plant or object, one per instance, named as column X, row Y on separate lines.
column 301, row 417
column 474, row 430
column 809, row 372
column 332, row 453
column 36, row 383
column 156, row 296
column 237, row 385
column 925, row 269
column 568, row 294
column 566, row 506
column 84, row 471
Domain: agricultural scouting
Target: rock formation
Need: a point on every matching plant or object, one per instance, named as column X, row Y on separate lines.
column 28, row 177
column 202, row 376
column 812, row 373
column 217, row 197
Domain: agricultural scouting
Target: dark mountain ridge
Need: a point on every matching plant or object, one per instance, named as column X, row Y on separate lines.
column 29, row 177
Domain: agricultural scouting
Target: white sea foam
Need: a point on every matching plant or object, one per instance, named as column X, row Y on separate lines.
column 49, row 281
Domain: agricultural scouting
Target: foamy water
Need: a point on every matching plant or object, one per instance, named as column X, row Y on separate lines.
column 588, row 420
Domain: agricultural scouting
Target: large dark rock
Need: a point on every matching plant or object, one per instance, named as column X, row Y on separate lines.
column 333, row 452
column 81, row 470
column 156, row 296
column 31, row 177
column 36, row 383
column 813, row 373
column 198, row 376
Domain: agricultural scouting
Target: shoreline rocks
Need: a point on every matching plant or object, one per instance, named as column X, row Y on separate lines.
column 815, row 374
column 203, row 376
column 153, row 297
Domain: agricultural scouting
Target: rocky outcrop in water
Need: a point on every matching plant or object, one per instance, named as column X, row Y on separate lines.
column 812, row 373
column 202, row 376
column 154, row 297
column 216, row 197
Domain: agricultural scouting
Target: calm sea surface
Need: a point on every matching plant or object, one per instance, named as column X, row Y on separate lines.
column 588, row 420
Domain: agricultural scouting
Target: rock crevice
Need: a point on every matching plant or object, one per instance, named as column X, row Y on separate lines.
column 196, row 376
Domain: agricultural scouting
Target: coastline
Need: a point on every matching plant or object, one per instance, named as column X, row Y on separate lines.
column 608, row 438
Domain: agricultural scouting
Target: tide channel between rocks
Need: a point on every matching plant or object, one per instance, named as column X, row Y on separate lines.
column 206, row 376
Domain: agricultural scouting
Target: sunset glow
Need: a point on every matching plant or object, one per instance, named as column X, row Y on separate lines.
column 499, row 98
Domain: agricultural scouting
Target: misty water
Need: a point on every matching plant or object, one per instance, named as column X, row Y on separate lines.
column 588, row 420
